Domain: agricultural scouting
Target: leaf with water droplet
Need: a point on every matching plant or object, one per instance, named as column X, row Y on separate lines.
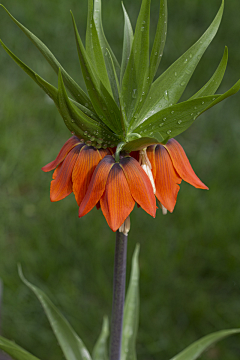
column 159, row 41
column 127, row 42
column 137, row 67
column 166, row 95
column 83, row 126
column 98, row 93
column 168, row 79
column 171, row 117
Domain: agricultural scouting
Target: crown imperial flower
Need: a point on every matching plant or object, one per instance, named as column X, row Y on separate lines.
column 126, row 111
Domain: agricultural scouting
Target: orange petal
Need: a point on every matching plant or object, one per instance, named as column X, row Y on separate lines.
column 166, row 179
column 61, row 186
column 97, row 185
column 182, row 164
column 85, row 165
column 117, row 201
column 139, row 185
column 73, row 141
column 56, row 171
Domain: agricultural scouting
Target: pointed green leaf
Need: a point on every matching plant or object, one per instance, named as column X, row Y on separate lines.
column 100, row 349
column 49, row 89
column 141, row 143
column 219, row 98
column 72, row 86
column 87, row 129
column 159, row 41
column 97, row 14
column 193, row 351
column 131, row 312
column 94, row 51
column 213, row 84
column 102, row 101
column 135, row 77
column 113, row 78
column 127, row 42
column 64, row 111
column 102, row 38
column 168, row 88
column 173, row 120
column 72, row 346
column 15, row 351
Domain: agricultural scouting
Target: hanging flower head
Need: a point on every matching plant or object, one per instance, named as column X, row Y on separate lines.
column 126, row 111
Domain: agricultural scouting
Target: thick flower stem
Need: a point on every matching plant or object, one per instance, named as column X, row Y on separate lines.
column 118, row 295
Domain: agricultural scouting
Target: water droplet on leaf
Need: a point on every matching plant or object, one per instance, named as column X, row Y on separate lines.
column 166, row 96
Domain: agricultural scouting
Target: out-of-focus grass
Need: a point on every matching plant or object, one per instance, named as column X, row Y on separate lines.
column 189, row 260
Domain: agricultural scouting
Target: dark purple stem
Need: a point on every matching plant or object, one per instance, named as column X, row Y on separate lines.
column 118, row 295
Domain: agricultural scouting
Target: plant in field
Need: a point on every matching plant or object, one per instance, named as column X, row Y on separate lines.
column 122, row 151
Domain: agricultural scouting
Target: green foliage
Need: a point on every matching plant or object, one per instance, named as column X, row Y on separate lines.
column 131, row 312
column 73, row 347
column 190, row 257
column 124, row 99
column 100, row 351
column 193, row 351
column 15, row 351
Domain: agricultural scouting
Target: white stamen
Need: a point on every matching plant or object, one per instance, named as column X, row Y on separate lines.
column 164, row 210
column 148, row 171
column 125, row 227
column 146, row 165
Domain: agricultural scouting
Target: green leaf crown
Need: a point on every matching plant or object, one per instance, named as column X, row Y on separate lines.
column 125, row 104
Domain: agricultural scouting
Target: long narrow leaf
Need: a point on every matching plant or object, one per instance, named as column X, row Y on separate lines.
column 168, row 88
column 94, row 50
column 92, row 132
column 127, row 42
column 49, row 89
column 131, row 312
column 159, row 41
column 72, row 86
column 213, row 84
column 15, row 351
column 100, row 349
column 64, row 111
column 102, row 38
column 135, row 77
column 72, row 346
column 193, row 351
column 102, row 101
column 106, row 49
column 173, row 120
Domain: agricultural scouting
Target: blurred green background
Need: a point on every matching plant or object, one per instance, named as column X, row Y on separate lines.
column 189, row 260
